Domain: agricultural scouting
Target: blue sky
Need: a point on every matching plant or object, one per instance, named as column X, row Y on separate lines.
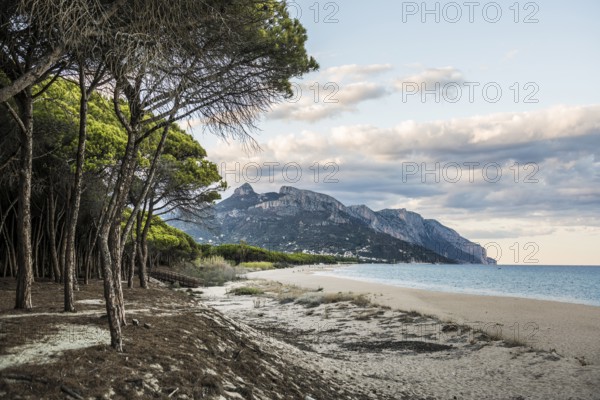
column 513, row 163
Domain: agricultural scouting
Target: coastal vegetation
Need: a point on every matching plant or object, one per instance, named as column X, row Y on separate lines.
column 244, row 254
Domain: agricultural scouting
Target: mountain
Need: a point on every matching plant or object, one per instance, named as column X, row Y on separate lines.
column 295, row 220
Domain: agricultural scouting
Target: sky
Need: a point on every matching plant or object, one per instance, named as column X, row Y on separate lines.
column 482, row 115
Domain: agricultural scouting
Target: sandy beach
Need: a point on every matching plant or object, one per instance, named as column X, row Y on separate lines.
column 390, row 354
column 572, row 330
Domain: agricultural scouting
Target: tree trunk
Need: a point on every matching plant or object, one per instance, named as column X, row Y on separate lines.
column 132, row 262
column 62, row 251
column 52, row 226
column 88, row 256
column 114, row 323
column 76, row 195
column 115, row 239
column 143, row 245
column 148, row 183
column 110, row 232
column 25, row 262
column 4, row 229
column 6, row 255
column 12, row 249
column 39, row 271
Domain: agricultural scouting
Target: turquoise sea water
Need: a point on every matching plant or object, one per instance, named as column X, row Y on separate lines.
column 570, row 284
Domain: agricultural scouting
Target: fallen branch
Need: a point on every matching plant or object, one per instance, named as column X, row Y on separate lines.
column 71, row 392
column 18, row 377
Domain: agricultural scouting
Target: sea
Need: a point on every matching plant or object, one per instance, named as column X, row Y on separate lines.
column 569, row 284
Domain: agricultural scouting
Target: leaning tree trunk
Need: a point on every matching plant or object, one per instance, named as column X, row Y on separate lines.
column 24, row 260
column 109, row 234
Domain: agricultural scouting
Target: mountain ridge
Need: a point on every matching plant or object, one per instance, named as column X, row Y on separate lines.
column 297, row 220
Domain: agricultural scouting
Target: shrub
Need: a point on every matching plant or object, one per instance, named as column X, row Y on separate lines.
column 246, row 291
column 310, row 299
column 214, row 271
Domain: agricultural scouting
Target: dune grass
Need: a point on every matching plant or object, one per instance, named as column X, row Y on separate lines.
column 257, row 265
column 315, row 299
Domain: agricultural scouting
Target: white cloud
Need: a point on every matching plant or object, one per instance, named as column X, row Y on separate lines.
column 459, row 136
column 566, row 137
column 321, row 101
column 355, row 72
column 431, row 77
column 356, row 93
column 335, row 91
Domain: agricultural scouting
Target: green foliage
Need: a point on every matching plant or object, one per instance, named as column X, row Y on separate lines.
column 213, row 262
column 242, row 253
column 183, row 169
column 283, row 39
column 172, row 242
column 225, row 61
column 184, row 179
column 56, row 116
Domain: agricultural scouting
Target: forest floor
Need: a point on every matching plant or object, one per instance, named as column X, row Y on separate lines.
column 181, row 349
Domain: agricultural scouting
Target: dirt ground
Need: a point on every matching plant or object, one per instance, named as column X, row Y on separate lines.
column 181, row 349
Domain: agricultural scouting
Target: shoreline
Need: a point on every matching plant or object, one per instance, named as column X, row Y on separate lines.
column 571, row 329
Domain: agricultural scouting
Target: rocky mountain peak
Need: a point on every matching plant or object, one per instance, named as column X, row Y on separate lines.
column 244, row 190
column 290, row 190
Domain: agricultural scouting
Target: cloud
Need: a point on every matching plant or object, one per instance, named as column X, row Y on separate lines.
column 333, row 92
column 498, row 135
column 355, row 72
column 318, row 101
column 356, row 93
column 430, row 78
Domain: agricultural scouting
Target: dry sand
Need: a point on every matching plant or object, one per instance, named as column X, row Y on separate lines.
column 392, row 354
column 573, row 330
